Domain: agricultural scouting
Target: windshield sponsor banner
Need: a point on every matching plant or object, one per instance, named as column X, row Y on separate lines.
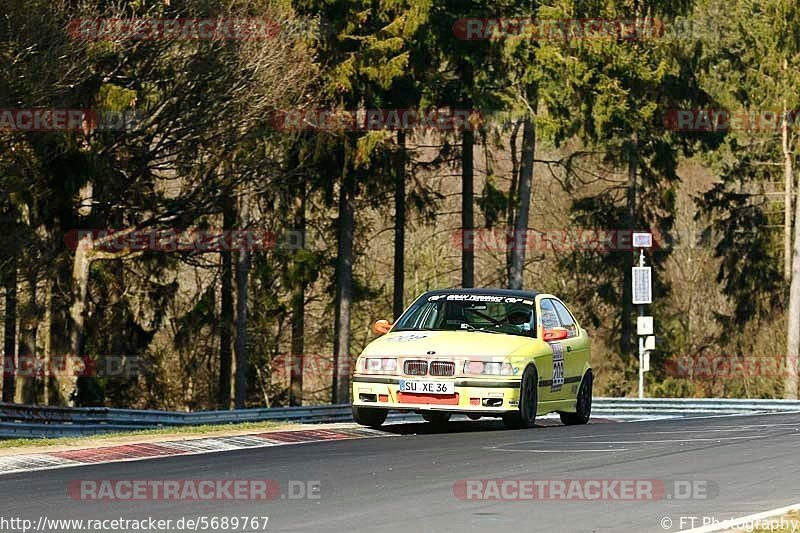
column 469, row 297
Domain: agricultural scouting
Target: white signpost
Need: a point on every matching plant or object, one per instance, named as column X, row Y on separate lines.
column 643, row 294
column 642, row 240
column 642, row 283
column 644, row 325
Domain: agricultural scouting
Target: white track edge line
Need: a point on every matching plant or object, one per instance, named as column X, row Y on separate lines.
column 735, row 523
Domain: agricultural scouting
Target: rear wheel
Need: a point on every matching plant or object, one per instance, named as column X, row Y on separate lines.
column 369, row 416
column 528, row 401
column 437, row 419
column 583, row 403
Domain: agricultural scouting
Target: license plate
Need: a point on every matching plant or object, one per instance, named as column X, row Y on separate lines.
column 427, row 387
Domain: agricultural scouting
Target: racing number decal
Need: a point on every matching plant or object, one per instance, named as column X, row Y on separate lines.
column 558, row 366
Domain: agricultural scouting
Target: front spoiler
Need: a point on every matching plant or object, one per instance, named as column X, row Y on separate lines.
column 466, row 389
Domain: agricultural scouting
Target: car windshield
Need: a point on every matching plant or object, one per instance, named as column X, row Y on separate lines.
column 470, row 312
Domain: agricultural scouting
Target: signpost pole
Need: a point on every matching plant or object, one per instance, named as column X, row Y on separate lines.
column 641, row 339
column 643, row 294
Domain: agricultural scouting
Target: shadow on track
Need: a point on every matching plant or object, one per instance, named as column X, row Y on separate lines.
column 455, row 426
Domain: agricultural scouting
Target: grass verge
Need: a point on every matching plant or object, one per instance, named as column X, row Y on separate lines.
column 110, row 438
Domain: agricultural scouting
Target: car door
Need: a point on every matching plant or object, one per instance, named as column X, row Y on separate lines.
column 551, row 366
column 576, row 350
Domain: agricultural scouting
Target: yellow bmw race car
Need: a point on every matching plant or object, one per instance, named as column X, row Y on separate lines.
column 480, row 352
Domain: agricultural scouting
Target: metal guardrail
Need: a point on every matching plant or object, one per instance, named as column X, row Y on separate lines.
column 20, row 421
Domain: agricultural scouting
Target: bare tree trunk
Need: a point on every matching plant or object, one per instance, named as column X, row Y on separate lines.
column 80, row 287
column 10, row 332
column 60, row 326
column 344, row 291
column 625, row 342
column 298, row 309
column 467, row 210
column 242, row 270
column 26, row 387
column 226, row 313
column 81, row 265
column 512, row 198
column 399, row 229
column 523, row 205
column 787, row 197
column 85, row 254
column 48, row 343
column 793, row 333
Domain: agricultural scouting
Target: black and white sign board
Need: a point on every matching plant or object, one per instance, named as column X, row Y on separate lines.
column 642, row 285
column 644, row 325
column 642, row 240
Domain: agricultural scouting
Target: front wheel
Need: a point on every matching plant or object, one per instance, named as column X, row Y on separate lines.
column 369, row 416
column 583, row 403
column 528, row 402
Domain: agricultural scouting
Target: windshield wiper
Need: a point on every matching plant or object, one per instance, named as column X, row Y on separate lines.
column 470, row 327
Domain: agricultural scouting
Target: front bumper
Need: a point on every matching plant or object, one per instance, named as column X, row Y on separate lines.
column 472, row 395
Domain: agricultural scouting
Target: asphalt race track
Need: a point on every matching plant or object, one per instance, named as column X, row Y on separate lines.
column 745, row 464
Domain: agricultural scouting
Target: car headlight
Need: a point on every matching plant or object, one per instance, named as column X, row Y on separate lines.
column 491, row 368
column 379, row 364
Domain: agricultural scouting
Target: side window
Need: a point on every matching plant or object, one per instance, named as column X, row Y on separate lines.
column 549, row 316
column 566, row 319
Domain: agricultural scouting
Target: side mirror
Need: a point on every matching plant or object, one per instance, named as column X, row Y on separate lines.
column 381, row 327
column 554, row 334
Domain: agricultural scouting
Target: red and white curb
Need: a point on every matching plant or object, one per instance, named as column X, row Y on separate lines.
column 137, row 452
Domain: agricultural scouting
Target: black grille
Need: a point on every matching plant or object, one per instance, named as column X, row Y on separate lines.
column 415, row 368
column 443, row 368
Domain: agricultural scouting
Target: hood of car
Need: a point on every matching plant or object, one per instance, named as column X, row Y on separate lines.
column 446, row 344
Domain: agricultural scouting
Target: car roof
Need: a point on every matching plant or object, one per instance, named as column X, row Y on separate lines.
column 488, row 292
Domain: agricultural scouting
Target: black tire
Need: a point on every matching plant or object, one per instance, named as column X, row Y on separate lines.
column 437, row 419
column 369, row 416
column 583, row 403
column 525, row 417
column 474, row 417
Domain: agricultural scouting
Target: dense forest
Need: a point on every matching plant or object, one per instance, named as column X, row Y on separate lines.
column 207, row 204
